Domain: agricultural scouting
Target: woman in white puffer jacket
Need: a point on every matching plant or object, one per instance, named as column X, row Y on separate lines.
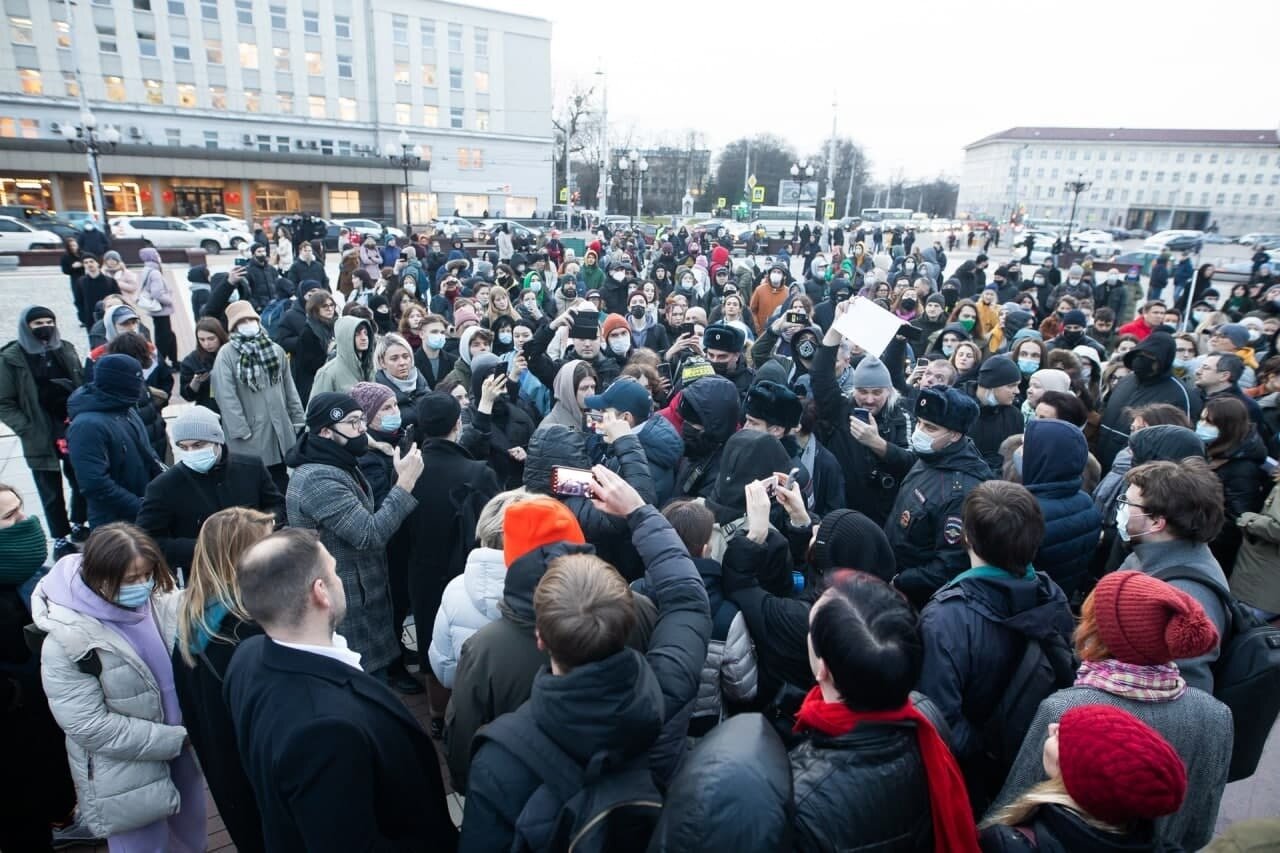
column 110, row 616
column 470, row 601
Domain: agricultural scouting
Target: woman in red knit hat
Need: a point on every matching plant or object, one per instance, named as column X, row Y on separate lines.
column 1132, row 627
column 1110, row 776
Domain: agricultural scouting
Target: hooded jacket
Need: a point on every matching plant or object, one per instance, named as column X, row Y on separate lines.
column 993, row 426
column 1053, row 457
column 35, row 384
column 347, row 367
column 110, row 453
column 289, row 330
column 716, row 402
column 470, row 602
column 663, row 449
column 1133, row 392
column 566, row 412
column 1244, row 486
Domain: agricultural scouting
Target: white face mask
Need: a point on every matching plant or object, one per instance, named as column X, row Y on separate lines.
column 618, row 275
column 248, row 329
column 410, row 288
column 620, row 345
column 1122, row 524
column 921, row 441
column 775, row 277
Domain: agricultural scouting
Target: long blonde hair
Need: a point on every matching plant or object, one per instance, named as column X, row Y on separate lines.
column 1051, row 792
column 225, row 536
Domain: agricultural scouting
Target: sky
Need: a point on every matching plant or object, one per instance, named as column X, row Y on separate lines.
column 915, row 82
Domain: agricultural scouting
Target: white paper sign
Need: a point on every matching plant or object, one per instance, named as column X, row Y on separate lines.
column 868, row 325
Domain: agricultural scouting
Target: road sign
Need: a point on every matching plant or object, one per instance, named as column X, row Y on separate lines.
column 829, row 210
column 751, row 182
column 721, row 203
column 564, row 194
column 804, row 192
column 757, row 195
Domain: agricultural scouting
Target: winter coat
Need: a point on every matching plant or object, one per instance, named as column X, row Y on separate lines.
column 1132, row 393
column 469, row 603
column 925, row 527
column 178, row 502
column 1195, row 724
column 444, row 366
column 264, row 282
column 118, row 745
column 111, row 455
column 262, row 423
column 729, row 675
column 197, row 361
column 347, row 367
column 1244, row 487
column 716, row 401
column 1057, row 829
column 310, row 353
column 155, row 285
column 312, row 270
column 89, row 291
column 663, row 448
column 1254, row 580
column 1053, row 457
column 337, row 503
column 20, row 407
column 491, row 437
column 993, row 426
column 406, row 400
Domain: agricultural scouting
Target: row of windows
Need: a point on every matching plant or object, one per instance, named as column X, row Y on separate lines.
column 427, row 35
column 1157, row 197
column 1229, row 158
column 431, row 116
column 1176, row 177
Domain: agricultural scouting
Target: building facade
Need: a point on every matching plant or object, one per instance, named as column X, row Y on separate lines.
column 672, row 172
column 261, row 107
column 1150, row 179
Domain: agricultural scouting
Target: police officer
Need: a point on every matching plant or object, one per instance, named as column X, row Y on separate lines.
column 925, row 528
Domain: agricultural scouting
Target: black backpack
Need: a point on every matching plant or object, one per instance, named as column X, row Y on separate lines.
column 1246, row 677
column 610, row 806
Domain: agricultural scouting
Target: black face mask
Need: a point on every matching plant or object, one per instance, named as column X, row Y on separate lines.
column 720, row 368
column 696, row 442
column 908, row 305
column 637, row 311
column 356, row 446
column 1143, row 367
column 44, row 333
column 1072, row 338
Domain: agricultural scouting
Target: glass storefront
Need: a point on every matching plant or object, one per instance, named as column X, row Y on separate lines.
column 29, row 192
column 123, row 198
column 191, row 201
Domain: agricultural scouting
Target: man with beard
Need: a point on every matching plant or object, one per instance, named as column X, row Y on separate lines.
column 262, row 278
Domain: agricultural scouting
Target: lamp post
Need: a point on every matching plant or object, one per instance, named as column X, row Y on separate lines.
column 92, row 140
column 407, row 156
column 634, row 166
column 1075, row 187
column 798, row 171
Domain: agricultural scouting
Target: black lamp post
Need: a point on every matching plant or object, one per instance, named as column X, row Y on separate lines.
column 407, row 156
column 87, row 138
column 634, row 166
column 1075, row 187
column 798, row 171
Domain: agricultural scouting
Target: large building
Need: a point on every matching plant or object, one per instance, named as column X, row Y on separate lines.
column 259, row 107
column 672, row 172
column 1151, row 179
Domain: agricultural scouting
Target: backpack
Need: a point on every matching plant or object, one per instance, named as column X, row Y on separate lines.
column 610, row 805
column 1246, row 677
column 272, row 314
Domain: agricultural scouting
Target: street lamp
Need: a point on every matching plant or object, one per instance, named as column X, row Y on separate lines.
column 632, row 164
column 1075, row 187
column 407, row 156
column 802, row 169
column 88, row 138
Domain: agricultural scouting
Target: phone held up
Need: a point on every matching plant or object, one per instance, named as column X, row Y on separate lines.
column 571, row 482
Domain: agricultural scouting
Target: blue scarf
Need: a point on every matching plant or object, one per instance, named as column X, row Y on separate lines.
column 214, row 612
column 990, row 572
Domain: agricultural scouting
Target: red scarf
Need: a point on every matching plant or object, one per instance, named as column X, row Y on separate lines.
column 953, row 826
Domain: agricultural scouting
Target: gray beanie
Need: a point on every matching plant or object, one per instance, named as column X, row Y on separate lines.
column 1076, row 270
column 197, row 424
column 871, row 373
column 112, row 255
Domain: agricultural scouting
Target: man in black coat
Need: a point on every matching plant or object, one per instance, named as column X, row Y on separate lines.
column 263, row 279
column 306, row 267
column 288, row 332
column 973, row 277
column 1152, row 382
column 996, row 392
column 336, row 760
column 584, row 344
column 204, row 479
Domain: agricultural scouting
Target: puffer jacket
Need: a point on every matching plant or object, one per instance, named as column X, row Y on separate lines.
column 470, row 602
column 118, row 745
column 663, row 448
column 1053, row 457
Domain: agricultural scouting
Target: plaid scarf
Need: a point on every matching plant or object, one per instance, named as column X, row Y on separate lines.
column 258, row 366
column 1159, row 683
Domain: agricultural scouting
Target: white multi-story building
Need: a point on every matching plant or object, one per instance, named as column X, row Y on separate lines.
column 259, row 107
column 1139, row 178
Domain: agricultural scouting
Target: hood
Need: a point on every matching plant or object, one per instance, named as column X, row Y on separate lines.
column 551, row 446
column 662, row 445
column 930, row 255
column 29, row 342
column 1036, row 609
column 719, row 256
column 456, row 255
column 612, row 705
column 715, row 400
column 90, row 398
column 523, row 576
column 64, row 586
column 1161, row 347
column 1167, row 442
column 565, row 393
column 344, row 335
column 1053, row 452
column 748, row 455
column 957, row 329
column 464, row 344
column 1251, row 449
column 847, row 539
column 483, row 366
column 300, row 292
column 483, row 579
column 109, row 320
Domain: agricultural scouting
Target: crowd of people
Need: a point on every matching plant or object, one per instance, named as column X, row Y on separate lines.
column 676, row 562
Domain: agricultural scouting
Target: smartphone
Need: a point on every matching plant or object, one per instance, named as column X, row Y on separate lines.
column 798, row 317
column 571, row 482
column 595, row 420
column 688, row 328
column 862, row 414
column 922, row 363
column 242, row 262
column 781, row 481
column 664, row 370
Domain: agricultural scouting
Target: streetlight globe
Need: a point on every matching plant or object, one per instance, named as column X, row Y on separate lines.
column 69, row 131
column 390, row 150
column 111, row 135
column 624, row 164
column 634, row 154
column 88, row 119
column 795, row 170
column 644, row 165
column 403, row 139
column 417, row 151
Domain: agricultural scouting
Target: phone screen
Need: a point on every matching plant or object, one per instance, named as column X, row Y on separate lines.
column 862, row 414
column 922, row 363
column 688, row 328
column 571, row 482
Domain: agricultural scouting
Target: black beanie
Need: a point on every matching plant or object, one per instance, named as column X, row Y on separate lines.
column 329, row 407
column 39, row 312
column 847, row 539
column 437, row 414
column 998, row 371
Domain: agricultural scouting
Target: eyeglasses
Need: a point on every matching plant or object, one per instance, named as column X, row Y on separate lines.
column 1130, row 503
column 357, row 421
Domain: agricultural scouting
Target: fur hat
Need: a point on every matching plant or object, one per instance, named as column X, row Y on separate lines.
column 774, row 403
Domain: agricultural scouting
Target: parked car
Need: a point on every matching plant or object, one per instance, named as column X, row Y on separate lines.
column 39, row 219
column 455, row 227
column 17, row 236
column 78, row 218
column 165, row 232
column 227, row 238
column 1175, row 240
column 1143, row 259
column 369, row 228
column 487, row 230
column 222, row 220
column 1096, row 243
column 1229, row 275
column 1256, row 237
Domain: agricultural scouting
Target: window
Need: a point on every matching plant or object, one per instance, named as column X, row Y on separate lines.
column 1275, row 179
column 347, row 109
column 482, row 119
column 1204, row 198
column 284, row 102
column 115, row 88
column 1213, row 158
column 62, row 30
column 20, row 31
column 213, row 51
column 1159, row 177
column 1115, row 175
column 399, row 29
column 147, row 45
column 402, row 72
column 455, row 118
column 209, row 10
column 29, row 128
column 211, row 139
column 1262, row 159
column 1057, row 155
column 1253, row 199
column 455, row 38
column 429, row 75
column 1192, row 177
column 71, row 84
column 264, row 142
column 315, row 64
column 1257, row 179
column 279, row 17
column 470, row 158
column 344, row 201
column 1231, row 158
column 1208, row 177
column 455, row 79
column 404, row 113
column 32, row 84
column 1271, row 201
column 344, row 67
column 311, row 23
column 1176, row 177
column 181, row 52
column 1195, row 158
column 218, row 97
column 1143, row 175
column 155, row 91
column 431, row 116
column 1235, row 199
column 316, row 106
column 482, row 41
column 177, row 7
column 1138, row 196
column 1222, row 198
column 244, row 12
column 1071, row 155
column 282, row 58
column 1240, row 178
column 186, row 95
column 427, row 33
column 342, row 26
column 1111, row 194
column 1181, row 157
column 344, row 147
column 173, row 136
column 142, row 5
column 282, row 144
column 482, row 82
column 326, row 147
column 1133, row 156
column 107, row 40
column 248, row 55
column 252, row 101
column 1128, row 174
column 1088, row 155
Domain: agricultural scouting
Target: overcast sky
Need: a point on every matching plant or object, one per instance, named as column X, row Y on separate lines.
column 918, row 82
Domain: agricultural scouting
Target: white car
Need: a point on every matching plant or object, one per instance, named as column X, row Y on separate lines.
column 368, row 228
column 1257, row 237
column 222, row 221
column 456, row 227
column 1097, row 243
column 165, row 232
column 1160, row 241
column 227, row 236
column 18, row 236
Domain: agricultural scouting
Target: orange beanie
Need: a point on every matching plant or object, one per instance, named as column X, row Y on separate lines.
column 529, row 524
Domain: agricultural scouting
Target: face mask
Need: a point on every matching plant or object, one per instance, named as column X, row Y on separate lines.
column 530, row 304
column 1143, row 367
column 391, row 423
column 1198, row 316
column 908, row 305
column 617, row 275
column 1038, row 280
column 696, row 442
column 1113, row 278
column 686, row 284
column 637, row 311
column 1086, row 372
column 948, row 350
column 775, row 278
column 25, row 548
column 44, row 334
column 921, row 441
column 1072, row 338
column 134, row 595
column 199, row 461
column 535, row 286
column 1208, row 432
column 1028, row 366
column 620, row 346
column 248, row 330
column 1181, row 364
column 435, row 341
column 358, row 445
column 504, row 337
column 1073, row 281
column 1122, row 524
column 968, row 323
column 410, row 288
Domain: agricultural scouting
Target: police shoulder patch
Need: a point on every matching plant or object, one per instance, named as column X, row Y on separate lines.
column 953, row 530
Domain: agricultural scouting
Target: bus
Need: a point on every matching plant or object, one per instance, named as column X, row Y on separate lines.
column 872, row 215
column 779, row 219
